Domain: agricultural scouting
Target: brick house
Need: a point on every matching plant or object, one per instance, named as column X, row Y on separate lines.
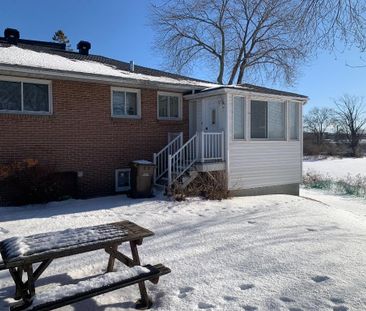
column 93, row 115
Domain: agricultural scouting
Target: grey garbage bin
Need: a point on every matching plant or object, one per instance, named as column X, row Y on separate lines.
column 142, row 179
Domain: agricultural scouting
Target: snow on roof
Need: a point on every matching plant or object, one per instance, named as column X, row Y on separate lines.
column 13, row 55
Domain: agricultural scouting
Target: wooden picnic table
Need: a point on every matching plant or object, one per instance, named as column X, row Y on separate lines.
column 21, row 255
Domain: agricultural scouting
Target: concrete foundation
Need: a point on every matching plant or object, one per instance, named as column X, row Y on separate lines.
column 292, row 189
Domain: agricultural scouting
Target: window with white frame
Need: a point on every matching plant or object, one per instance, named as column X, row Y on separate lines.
column 25, row 96
column 293, row 112
column 122, row 182
column 239, row 117
column 126, row 103
column 169, row 106
column 267, row 120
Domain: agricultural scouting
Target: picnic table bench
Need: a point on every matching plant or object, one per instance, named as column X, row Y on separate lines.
column 21, row 254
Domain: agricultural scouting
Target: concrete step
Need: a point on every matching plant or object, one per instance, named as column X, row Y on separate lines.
column 188, row 178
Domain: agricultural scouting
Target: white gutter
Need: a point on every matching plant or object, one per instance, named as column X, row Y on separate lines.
column 237, row 91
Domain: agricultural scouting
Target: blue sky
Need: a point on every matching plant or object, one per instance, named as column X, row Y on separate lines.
column 120, row 29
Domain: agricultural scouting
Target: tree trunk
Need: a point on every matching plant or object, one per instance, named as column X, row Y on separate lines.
column 241, row 72
column 220, row 77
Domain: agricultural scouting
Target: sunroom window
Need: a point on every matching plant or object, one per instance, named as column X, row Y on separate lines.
column 293, row 111
column 239, row 117
column 169, row 106
column 267, row 120
column 26, row 97
column 125, row 103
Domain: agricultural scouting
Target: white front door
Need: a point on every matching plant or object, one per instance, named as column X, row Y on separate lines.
column 212, row 119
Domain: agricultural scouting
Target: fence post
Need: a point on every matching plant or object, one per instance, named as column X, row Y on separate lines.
column 223, row 146
column 197, row 147
column 169, row 170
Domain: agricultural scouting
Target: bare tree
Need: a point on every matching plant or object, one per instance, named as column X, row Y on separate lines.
column 351, row 119
column 317, row 121
column 241, row 38
column 327, row 21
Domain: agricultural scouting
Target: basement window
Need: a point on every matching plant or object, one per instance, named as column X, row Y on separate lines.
column 122, row 179
column 25, row 96
column 169, row 106
column 126, row 103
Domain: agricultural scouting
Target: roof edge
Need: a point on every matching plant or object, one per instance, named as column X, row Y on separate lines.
column 256, row 89
column 226, row 89
column 24, row 71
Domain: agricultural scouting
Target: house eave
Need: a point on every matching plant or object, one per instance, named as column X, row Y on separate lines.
column 42, row 73
column 233, row 91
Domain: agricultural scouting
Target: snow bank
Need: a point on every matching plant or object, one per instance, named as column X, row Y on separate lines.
column 335, row 167
column 14, row 55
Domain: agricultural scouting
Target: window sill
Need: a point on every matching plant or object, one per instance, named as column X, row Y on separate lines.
column 170, row 119
column 24, row 113
column 267, row 139
column 126, row 117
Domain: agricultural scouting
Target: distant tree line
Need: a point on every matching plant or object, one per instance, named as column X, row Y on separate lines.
column 344, row 126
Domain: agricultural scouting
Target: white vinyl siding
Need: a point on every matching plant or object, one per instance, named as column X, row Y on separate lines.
column 26, row 96
column 264, row 163
column 169, row 106
column 125, row 103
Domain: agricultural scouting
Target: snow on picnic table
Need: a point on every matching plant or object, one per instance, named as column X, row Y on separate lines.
column 336, row 167
column 19, row 247
column 272, row 252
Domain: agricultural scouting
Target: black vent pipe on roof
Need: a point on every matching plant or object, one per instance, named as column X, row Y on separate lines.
column 11, row 35
column 84, row 47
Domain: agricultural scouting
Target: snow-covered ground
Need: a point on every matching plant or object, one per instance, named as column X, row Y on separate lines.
column 272, row 252
column 335, row 167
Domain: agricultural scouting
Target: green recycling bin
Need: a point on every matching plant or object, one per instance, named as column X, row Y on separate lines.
column 142, row 179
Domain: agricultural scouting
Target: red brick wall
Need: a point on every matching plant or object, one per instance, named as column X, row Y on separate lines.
column 81, row 135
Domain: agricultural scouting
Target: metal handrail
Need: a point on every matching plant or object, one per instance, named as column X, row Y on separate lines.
column 161, row 158
column 183, row 159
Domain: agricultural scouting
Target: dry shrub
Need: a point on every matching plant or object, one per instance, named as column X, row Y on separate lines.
column 350, row 185
column 27, row 182
column 208, row 185
column 10, row 169
column 317, row 181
